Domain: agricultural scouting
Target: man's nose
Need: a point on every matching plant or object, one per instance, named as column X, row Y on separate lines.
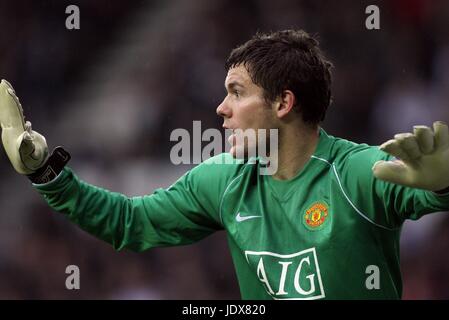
column 223, row 110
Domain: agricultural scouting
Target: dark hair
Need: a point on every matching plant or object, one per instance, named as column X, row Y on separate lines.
column 288, row 60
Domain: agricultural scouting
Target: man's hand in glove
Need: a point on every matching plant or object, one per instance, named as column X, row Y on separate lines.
column 26, row 149
column 422, row 159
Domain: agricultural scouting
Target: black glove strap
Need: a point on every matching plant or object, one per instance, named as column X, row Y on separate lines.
column 52, row 167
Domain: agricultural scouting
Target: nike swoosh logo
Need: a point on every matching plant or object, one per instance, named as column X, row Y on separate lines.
column 239, row 218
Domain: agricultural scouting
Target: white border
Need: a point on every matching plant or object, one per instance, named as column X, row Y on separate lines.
column 303, row 252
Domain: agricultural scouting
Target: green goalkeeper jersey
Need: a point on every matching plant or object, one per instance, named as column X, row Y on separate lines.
column 330, row 232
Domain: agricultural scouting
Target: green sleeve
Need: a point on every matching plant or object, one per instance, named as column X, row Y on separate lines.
column 184, row 213
column 412, row 203
column 386, row 203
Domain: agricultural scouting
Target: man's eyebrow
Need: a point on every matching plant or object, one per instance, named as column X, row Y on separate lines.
column 233, row 85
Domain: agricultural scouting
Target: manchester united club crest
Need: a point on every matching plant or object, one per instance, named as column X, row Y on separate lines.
column 316, row 215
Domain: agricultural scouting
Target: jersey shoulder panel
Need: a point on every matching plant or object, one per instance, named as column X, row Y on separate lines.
column 368, row 195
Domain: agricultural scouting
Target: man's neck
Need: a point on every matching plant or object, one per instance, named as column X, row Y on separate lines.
column 296, row 146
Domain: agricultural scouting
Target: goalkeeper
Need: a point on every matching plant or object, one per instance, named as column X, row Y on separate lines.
column 325, row 225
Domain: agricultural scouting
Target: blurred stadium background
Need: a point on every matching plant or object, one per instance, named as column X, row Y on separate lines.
column 113, row 91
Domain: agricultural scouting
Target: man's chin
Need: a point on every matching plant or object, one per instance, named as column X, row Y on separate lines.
column 233, row 152
column 238, row 153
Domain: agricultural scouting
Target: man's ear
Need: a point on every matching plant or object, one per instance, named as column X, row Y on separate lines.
column 285, row 103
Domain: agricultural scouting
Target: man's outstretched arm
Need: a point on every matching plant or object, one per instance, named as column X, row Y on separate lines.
column 422, row 159
column 168, row 217
column 178, row 215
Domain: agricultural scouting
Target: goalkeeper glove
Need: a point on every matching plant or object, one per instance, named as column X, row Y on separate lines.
column 26, row 149
column 422, row 159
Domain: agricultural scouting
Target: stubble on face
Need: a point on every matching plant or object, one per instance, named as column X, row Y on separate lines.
column 248, row 113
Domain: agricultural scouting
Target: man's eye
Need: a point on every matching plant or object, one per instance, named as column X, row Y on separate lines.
column 237, row 93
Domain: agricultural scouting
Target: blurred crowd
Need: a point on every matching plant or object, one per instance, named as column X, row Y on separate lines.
column 113, row 91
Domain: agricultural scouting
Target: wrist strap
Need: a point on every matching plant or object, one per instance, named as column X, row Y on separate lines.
column 52, row 167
